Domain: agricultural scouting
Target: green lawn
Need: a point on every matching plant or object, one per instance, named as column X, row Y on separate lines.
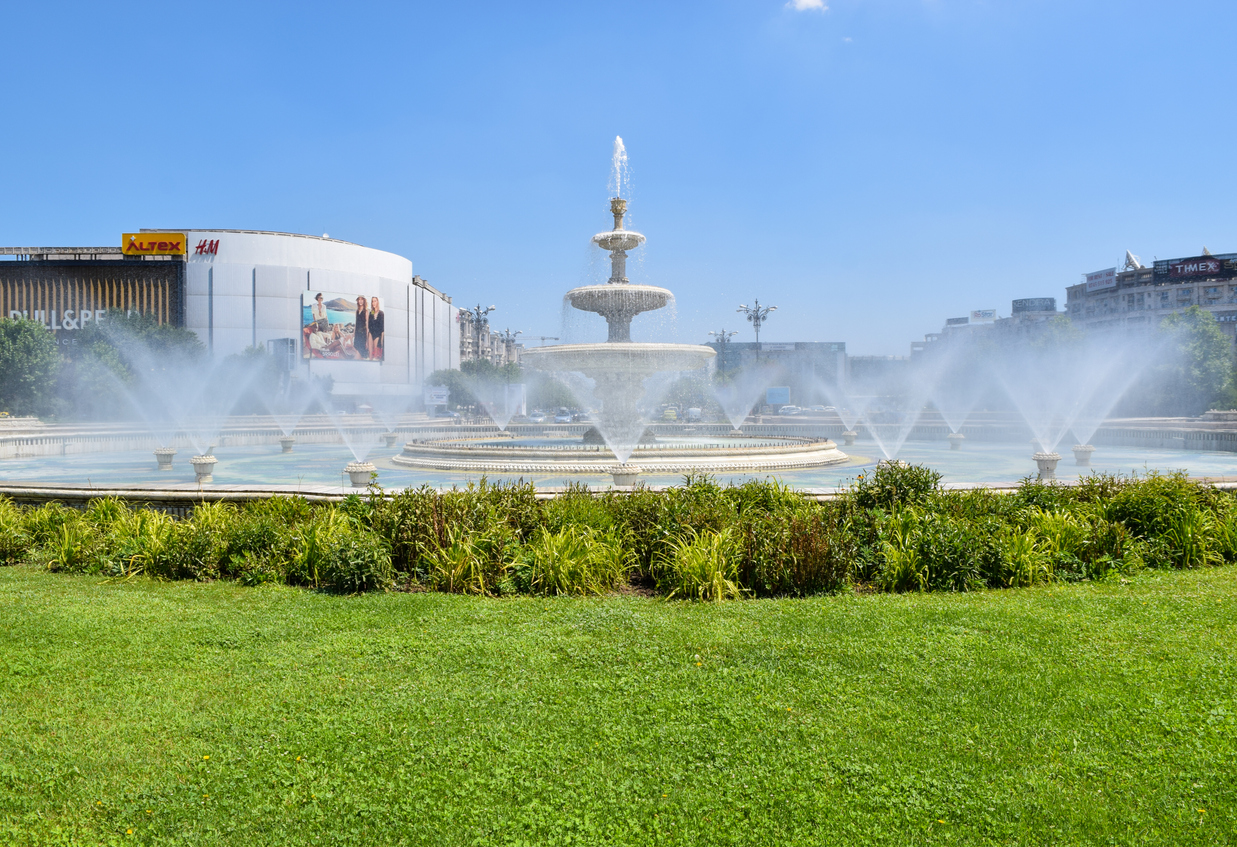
column 212, row 713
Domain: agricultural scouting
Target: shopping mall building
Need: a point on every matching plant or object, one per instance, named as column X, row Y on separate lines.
column 328, row 307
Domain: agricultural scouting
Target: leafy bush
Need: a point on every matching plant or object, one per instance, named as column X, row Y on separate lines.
column 355, row 563
column 893, row 484
column 801, row 548
column 895, row 530
column 1145, row 505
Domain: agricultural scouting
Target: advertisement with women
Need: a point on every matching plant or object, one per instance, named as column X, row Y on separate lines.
column 336, row 326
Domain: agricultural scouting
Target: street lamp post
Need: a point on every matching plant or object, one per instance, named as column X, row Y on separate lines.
column 723, row 343
column 757, row 315
column 478, row 317
column 509, row 340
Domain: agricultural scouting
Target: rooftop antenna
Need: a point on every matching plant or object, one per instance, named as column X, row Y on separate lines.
column 1132, row 262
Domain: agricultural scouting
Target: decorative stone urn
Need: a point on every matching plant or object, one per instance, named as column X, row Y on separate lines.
column 164, row 457
column 1082, row 455
column 204, row 468
column 286, row 442
column 1047, row 464
column 955, row 440
column 389, row 439
column 360, row 473
column 849, row 437
column 624, row 476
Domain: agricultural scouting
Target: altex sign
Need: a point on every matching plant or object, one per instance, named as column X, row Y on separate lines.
column 153, row 244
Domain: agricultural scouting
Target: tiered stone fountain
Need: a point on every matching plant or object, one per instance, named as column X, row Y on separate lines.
column 618, row 369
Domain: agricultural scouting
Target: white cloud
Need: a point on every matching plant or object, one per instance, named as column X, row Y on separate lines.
column 807, row 5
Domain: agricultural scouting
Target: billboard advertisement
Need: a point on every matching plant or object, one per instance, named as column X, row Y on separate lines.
column 777, row 395
column 1034, row 304
column 152, row 243
column 1196, row 267
column 1100, row 280
column 342, row 327
column 983, row 315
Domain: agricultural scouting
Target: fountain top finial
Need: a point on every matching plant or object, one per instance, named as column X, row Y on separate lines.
column 618, row 208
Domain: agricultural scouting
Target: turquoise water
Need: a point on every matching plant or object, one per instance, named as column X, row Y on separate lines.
column 322, row 465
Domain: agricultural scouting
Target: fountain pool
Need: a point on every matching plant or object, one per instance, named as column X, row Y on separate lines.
column 317, row 468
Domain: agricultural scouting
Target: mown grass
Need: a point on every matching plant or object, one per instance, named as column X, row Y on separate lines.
column 165, row 713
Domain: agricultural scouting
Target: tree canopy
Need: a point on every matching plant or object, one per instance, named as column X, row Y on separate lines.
column 29, row 363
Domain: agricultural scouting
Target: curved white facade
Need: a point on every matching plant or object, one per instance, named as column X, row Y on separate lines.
column 244, row 288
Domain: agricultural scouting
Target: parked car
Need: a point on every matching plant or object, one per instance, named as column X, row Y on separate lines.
column 536, row 417
column 789, row 410
column 445, row 413
column 819, row 408
column 694, row 414
column 563, row 416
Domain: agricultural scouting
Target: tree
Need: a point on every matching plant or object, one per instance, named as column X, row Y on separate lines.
column 544, row 390
column 456, row 383
column 1199, row 367
column 29, row 362
column 547, row 392
column 112, row 358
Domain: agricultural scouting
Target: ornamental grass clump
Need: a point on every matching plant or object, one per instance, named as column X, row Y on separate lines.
column 573, row 560
column 702, row 566
column 14, row 539
column 472, row 563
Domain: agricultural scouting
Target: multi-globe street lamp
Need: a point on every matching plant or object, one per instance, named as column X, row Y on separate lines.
column 756, row 314
column 723, row 337
column 477, row 317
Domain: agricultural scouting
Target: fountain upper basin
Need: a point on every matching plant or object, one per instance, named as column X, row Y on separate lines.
column 619, row 357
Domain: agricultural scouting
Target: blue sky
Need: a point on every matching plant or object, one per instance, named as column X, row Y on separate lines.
column 872, row 168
